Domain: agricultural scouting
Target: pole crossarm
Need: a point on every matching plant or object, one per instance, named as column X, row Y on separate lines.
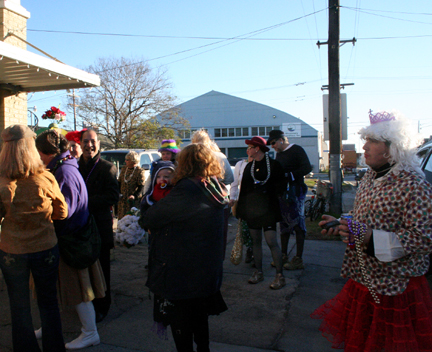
column 354, row 40
column 342, row 85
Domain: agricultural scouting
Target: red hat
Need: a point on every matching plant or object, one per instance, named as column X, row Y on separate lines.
column 73, row 136
column 258, row 142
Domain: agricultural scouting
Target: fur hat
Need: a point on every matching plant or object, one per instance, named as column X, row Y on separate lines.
column 258, row 142
column 16, row 132
column 169, row 145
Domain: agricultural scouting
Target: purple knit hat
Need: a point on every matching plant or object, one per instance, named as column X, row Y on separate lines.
column 169, row 145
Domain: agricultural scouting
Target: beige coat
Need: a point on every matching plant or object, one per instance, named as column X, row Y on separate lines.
column 28, row 207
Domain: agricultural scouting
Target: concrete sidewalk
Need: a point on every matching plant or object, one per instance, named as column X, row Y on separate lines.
column 258, row 319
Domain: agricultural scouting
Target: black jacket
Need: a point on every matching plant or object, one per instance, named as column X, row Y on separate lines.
column 186, row 250
column 259, row 204
column 103, row 192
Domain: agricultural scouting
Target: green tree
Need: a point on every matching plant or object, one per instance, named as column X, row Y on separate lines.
column 126, row 106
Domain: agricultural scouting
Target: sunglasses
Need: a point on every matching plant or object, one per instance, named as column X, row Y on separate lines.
column 273, row 143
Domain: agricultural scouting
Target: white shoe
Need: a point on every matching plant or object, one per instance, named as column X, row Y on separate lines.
column 38, row 333
column 86, row 339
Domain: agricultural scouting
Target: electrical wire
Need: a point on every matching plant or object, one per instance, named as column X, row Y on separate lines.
column 383, row 16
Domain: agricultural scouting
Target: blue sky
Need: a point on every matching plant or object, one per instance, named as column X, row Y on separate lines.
column 278, row 65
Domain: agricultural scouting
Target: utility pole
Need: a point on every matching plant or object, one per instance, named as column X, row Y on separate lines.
column 335, row 136
column 334, row 105
column 74, row 105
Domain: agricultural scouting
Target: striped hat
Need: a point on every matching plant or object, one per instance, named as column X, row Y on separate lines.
column 169, row 145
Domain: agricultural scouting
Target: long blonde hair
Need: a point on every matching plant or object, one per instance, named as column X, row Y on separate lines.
column 197, row 160
column 202, row 137
column 20, row 159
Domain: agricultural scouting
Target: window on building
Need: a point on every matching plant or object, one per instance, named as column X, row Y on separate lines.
column 245, row 131
column 262, row 131
column 238, row 132
column 224, row 132
column 254, row 131
column 217, row 132
column 184, row 134
column 231, row 132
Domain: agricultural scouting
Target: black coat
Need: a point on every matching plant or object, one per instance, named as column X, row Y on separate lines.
column 186, row 250
column 258, row 204
column 103, row 193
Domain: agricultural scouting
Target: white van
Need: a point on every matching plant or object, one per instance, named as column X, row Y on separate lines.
column 118, row 156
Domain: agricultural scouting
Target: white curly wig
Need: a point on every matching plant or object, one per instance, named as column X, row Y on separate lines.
column 401, row 139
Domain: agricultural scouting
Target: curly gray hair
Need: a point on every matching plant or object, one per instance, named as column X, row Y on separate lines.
column 400, row 138
column 133, row 156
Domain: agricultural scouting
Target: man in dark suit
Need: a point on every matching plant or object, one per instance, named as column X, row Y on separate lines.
column 103, row 192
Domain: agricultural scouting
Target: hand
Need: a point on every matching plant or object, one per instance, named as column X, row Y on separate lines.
column 345, row 233
column 231, row 202
column 332, row 230
column 131, row 197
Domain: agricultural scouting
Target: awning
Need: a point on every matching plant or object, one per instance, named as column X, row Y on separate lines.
column 24, row 71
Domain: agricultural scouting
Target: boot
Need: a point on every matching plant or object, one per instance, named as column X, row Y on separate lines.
column 295, row 264
column 249, row 255
column 38, row 333
column 89, row 335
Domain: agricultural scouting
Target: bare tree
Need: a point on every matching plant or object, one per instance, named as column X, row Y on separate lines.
column 126, row 106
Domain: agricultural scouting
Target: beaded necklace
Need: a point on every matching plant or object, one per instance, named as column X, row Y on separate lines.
column 92, row 170
column 358, row 230
column 257, row 182
column 59, row 162
column 126, row 180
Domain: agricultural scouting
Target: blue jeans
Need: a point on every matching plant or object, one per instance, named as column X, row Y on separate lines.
column 16, row 270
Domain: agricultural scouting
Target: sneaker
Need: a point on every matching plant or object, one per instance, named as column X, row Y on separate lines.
column 295, row 264
column 278, row 282
column 249, row 256
column 256, row 277
column 284, row 261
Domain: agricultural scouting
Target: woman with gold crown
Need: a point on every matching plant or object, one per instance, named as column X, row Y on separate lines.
column 386, row 305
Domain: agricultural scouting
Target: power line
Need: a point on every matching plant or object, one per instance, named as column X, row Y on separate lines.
column 387, row 11
column 187, row 37
column 390, row 17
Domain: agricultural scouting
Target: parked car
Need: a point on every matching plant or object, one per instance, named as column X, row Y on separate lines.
column 360, row 173
column 118, row 156
column 425, row 154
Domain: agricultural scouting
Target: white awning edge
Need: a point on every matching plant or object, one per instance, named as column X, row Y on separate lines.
column 30, row 72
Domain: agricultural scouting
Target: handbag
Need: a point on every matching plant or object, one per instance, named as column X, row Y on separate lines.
column 237, row 250
column 81, row 248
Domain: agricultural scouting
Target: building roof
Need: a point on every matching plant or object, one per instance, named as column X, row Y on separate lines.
column 24, row 71
column 214, row 109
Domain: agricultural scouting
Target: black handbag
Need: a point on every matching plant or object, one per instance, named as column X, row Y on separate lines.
column 81, row 248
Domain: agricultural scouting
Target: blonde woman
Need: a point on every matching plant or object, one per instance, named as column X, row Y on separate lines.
column 131, row 181
column 30, row 199
column 202, row 137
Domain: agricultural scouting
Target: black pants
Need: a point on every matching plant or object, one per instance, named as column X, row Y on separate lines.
column 192, row 328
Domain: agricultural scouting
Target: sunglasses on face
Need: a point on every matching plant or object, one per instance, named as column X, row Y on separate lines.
column 273, row 143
